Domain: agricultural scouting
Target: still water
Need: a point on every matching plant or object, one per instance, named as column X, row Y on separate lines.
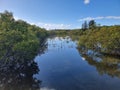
column 63, row 67
column 60, row 65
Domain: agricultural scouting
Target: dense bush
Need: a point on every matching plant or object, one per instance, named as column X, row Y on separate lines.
column 18, row 39
column 106, row 39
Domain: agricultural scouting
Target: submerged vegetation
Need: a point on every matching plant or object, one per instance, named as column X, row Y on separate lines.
column 104, row 39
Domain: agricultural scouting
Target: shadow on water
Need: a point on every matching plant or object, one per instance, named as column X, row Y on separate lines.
column 17, row 72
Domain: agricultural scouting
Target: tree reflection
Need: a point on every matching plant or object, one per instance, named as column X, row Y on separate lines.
column 105, row 65
column 17, row 71
column 19, row 77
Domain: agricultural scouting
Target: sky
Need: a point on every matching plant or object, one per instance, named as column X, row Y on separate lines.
column 63, row 14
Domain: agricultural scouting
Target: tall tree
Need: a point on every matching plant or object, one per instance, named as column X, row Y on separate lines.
column 92, row 24
column 85, row 25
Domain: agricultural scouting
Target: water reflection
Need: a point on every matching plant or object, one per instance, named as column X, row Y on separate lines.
column 60, row 67
column 17, row 71
column 63, row 68
column 104, row 64
column 60, row 43
column 19, row 78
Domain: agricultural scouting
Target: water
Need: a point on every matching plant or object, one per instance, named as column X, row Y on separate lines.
column 60, row 65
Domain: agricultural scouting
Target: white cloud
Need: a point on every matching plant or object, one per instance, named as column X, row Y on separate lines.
column 86, row 1
column 16, row 18
column 50, row 26
column 99, row 18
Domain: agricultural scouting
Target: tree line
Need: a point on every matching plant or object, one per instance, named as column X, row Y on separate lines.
column 89, row 25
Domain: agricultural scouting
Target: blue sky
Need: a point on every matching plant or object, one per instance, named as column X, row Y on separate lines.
column 52, row 14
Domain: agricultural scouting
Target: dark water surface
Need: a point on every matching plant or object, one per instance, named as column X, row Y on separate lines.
column 62, row 67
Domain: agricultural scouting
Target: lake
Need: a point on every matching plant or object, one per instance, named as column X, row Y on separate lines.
column 60, row 65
